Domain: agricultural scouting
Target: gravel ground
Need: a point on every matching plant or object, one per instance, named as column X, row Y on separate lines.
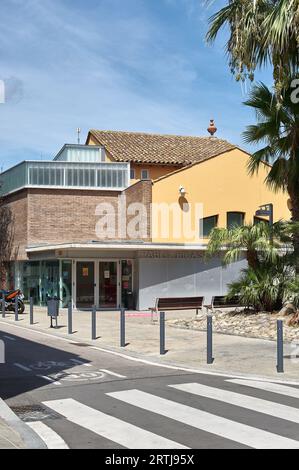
column 249, row 324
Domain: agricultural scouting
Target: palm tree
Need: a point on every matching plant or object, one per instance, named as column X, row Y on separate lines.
column 253, row 241
column 266, row 287
column 261, row 32
column 278, row 129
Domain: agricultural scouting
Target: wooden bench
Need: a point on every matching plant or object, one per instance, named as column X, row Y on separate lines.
column 177, row 303
column 220, row 301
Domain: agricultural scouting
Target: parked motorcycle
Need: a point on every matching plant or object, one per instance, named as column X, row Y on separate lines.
column 11, row 297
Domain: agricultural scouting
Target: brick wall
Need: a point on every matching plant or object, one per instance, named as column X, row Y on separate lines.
column 18, row 204
column 141, row 192
column 50, row 216
column 64, row 216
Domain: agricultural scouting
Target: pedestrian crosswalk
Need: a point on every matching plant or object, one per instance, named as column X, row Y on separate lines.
column 109, row 427
column 203, row 414
column 268, row 387
column 244, row 401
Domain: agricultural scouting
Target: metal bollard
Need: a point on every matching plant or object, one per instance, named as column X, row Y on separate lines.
column 210, row 358
column 70, row 318
column 3, row 308
column 122, row 328
column 162, row 333
column 279, row 367
column 16, row 310
column 31, row 311
column 94, row 323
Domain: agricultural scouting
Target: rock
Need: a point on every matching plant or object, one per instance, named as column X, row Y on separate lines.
column 262, row 325
column 288, row 309
column 294, row 320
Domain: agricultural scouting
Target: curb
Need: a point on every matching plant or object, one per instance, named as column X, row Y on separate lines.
column 29, row 437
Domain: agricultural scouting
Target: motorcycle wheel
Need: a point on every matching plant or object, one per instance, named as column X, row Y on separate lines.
column 21, row 307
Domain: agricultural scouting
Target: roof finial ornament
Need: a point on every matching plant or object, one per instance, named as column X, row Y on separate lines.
column 212, row 129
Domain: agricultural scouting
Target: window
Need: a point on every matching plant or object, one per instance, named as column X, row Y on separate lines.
column 235, row 219
column 258, row 220
column 207, row 224
column 144, row 174
column 132, row 174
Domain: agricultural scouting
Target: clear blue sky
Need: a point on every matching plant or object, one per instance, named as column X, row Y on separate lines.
column 139, row 65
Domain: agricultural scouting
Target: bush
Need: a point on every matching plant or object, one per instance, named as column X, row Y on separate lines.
column 265, row 288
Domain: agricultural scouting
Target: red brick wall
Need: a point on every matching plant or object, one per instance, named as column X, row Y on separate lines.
column 44, row 216
column 18, row 204
column 64, row 216
column 141, row 192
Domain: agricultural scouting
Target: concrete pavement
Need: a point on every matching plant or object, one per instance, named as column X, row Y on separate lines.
column 187, row 348
column 9, row 439
column 14, row 434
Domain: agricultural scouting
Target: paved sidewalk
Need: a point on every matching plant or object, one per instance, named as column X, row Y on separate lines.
column 14, row 434
column 9, row 439
column 186, row 348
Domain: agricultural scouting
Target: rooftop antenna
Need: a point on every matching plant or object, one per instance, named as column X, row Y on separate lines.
column 78, row 132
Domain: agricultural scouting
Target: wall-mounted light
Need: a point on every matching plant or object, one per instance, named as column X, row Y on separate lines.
column 182, row 190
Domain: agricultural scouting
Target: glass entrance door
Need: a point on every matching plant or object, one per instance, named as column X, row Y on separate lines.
column 108, row 284
column 85, row 284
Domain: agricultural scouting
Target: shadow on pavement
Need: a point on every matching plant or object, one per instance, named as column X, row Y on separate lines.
column 30, row 365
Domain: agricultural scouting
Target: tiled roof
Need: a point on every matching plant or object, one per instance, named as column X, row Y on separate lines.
column 160, row 149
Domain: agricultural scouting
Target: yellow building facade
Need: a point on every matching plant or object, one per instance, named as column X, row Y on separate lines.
column 223, row 186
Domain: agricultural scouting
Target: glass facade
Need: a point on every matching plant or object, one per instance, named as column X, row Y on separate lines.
column 30, row 280
column 66, row 282
column 75, row 281
column 37, row 279
column 114, row 176
column 49, row 280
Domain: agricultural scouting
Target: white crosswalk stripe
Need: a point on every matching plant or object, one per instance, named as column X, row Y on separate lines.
column 223, row 427
column 268, row 387
column 111, row 428
column 244, row 401
column 50, row 437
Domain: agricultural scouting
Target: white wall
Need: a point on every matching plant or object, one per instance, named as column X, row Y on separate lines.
column 183, row 277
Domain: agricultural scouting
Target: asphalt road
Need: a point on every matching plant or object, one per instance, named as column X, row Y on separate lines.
column 77, row 396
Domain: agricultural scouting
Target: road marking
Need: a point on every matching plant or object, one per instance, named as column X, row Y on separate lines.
column 9, row 337
column 50, row 437
column 49, row 379
column 81, row 363
column 79, row 377
column 114, row 374
column 20, row 366
column 226, row 428
column 268, row 387
column 111, row 428
column 244, row 401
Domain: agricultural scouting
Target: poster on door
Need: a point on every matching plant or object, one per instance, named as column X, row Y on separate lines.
column 85, row 272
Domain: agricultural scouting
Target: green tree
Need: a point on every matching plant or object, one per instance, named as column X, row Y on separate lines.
column 261, row 32
column 264, row 288
column 250, row 241
column 277, row 129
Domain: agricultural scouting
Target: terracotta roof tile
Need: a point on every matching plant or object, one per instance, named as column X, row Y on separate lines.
column 160, row 149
